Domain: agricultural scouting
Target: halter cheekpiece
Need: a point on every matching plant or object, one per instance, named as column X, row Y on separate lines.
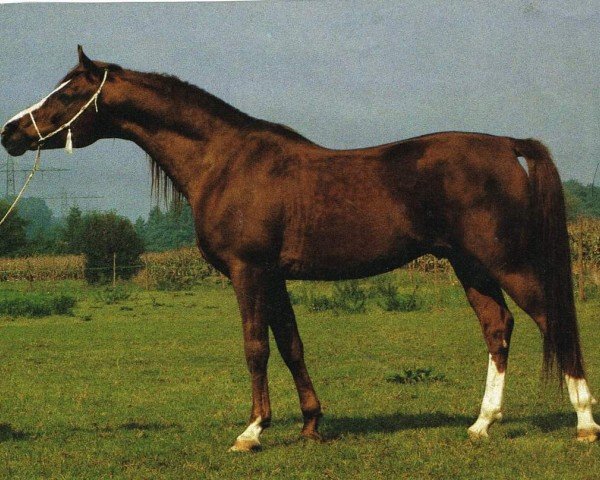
column 69, row 142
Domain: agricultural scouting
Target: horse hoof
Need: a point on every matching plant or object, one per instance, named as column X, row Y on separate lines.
column 477, row 435
column 314, row 436
column 246, row 446
column 588, row 435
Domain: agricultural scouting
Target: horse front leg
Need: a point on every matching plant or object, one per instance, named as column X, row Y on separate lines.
column 285, row 330
column 252, row 290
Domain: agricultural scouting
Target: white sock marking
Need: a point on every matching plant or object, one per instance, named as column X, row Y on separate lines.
column 582, row 400
column 491, row 406
column 252, row 431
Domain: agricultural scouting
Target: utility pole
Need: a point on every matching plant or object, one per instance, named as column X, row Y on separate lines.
column 10, row 170
column 10, row 178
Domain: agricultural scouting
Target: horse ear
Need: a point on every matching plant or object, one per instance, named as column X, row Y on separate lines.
column 85, row 62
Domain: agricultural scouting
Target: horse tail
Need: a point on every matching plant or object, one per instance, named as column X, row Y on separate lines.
column 552, row 258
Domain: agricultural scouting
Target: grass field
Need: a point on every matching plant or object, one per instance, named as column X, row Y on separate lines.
column 151, row 385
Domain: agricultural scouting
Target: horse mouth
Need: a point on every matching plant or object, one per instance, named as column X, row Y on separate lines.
column 15, row 149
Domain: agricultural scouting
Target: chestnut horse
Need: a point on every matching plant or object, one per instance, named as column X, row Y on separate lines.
column 270, row 205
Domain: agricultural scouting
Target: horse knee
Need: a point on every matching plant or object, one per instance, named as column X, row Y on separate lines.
column 257, row 354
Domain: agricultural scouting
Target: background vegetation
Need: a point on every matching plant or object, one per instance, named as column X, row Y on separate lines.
column 582, row 200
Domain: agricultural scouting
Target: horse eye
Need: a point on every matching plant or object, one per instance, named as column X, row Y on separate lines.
column 63, row 98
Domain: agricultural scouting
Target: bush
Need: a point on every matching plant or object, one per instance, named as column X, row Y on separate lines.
column 62, row 304
column 349, row 297
column 19, row 304
column 393, row 301
column 418, row 375
column 175, row 270
column 111, row 295
column 107, row 237
column 295, row 298
column 316, row 302
column 12, row 231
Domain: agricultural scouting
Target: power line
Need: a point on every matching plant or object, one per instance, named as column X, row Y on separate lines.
column 10, row 170
column 10, row 178
column 65, row 198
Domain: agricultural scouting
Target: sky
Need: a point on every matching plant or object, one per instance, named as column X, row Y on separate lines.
column 343, row 73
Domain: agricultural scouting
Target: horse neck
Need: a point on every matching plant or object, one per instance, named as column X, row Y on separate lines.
column 175, row 123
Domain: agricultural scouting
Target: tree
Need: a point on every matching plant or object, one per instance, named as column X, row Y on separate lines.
column 582, row 200
column 155, row 231
column 37, row 215
column 12, row 231
column 43, row 230
column 171, row 229
column 140, row 228
column 181, row 225
column 106, row 237
column 72, row 232
column 572, row 205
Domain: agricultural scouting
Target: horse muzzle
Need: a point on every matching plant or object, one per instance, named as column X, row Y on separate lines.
column 15, row 141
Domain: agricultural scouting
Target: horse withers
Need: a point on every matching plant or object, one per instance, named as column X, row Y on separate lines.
column 270, row 205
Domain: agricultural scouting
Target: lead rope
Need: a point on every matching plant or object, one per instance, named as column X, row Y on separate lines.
column 35, row 168
column 68, row 144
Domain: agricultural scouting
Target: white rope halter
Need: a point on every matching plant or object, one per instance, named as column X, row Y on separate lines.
column 68, row 144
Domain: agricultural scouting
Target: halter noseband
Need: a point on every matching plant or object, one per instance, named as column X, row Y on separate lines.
column 69, row 143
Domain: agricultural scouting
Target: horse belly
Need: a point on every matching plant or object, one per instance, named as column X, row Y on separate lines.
column 337, row 247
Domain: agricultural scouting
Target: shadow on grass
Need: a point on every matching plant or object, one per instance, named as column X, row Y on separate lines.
column 335, row 427
column 7, row 432
column 552, row 421
column 142, row 426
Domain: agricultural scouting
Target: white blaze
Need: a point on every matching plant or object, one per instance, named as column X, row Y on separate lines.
column 33, row 108
column 491, row 406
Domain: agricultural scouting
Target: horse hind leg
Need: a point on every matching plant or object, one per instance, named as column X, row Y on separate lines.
column 526, row 290
column 486, row 299
column 582, row 400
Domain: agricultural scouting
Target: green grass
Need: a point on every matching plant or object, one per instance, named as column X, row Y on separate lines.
column 34, row 304
column 154, row 385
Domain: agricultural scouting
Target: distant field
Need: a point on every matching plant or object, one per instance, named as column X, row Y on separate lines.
column 145, row 384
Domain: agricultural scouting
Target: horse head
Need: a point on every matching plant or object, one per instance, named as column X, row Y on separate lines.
column 71, row 110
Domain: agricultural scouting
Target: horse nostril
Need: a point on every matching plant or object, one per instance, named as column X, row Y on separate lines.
column 8, row 128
